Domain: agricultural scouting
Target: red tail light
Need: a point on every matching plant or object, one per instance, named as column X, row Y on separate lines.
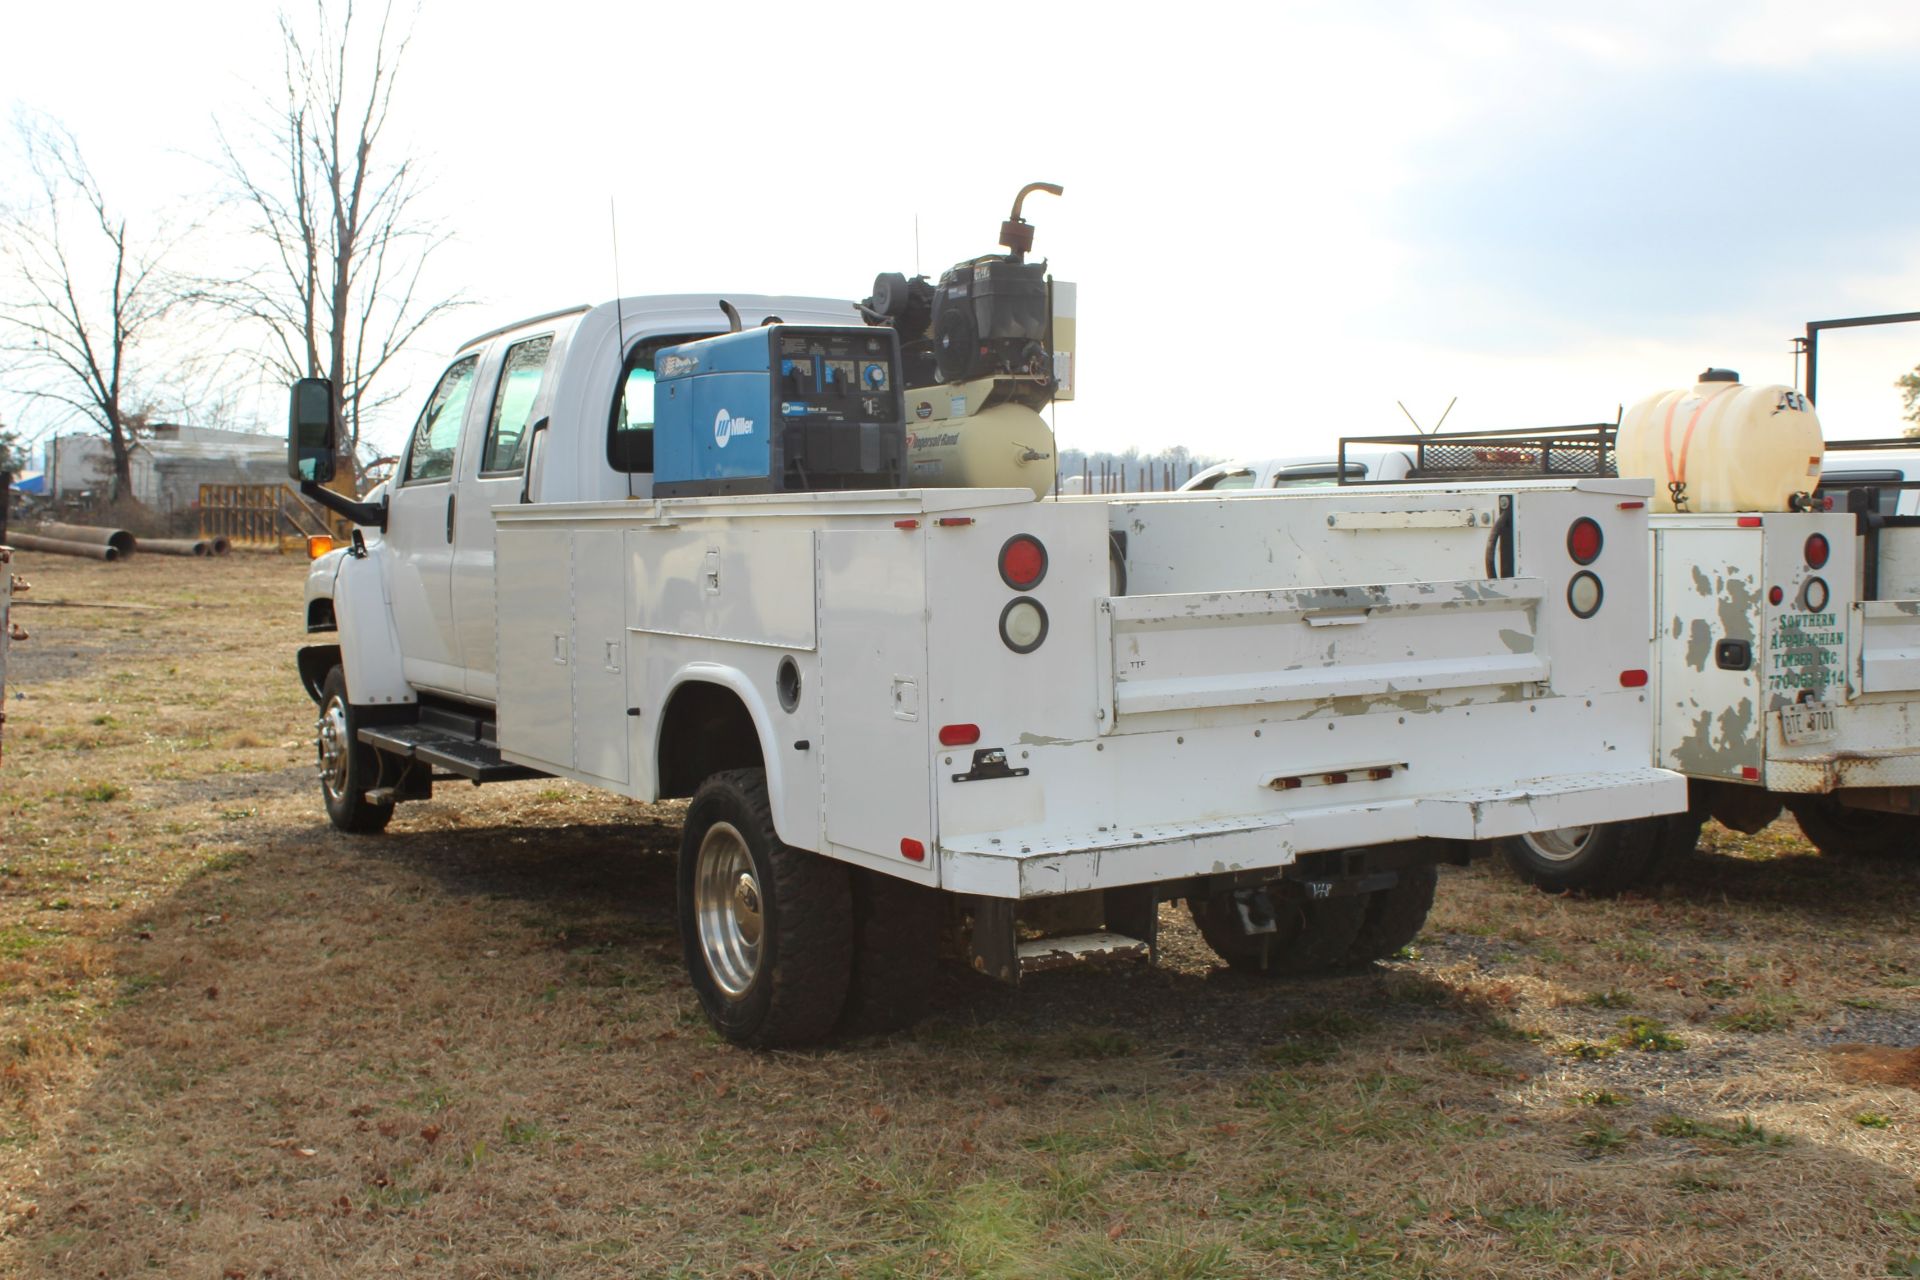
column 1584, row 541
column 1633, row 679
column 1817, row 551
column 1776, row 595
column 912, row 850
column 959, row 735
column 1023, row 562
column 1748, row 522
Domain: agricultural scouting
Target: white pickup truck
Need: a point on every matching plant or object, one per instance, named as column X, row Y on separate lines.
column 904, row 714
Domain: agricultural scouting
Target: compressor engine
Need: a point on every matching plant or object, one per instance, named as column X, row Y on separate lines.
column 797, row 408
column 980, row 355
column 988, row 317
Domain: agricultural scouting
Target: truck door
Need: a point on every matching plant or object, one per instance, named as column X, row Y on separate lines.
column 420, row 518
column 490, row 476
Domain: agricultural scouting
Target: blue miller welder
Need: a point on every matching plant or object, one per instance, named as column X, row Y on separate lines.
column 784, row 408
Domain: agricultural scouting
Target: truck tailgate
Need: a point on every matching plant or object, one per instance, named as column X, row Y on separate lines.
column 1207, row 650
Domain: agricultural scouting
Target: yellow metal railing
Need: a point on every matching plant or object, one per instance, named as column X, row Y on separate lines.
column 267, row 517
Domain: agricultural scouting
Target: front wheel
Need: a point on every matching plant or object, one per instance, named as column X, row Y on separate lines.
column 1395, row 915
column 1600, row 860
column 766, row 929
column 1840, row 831
column 346, row 765
column 1309, row 934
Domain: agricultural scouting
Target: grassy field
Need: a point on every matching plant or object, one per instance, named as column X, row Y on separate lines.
column 236, row 1044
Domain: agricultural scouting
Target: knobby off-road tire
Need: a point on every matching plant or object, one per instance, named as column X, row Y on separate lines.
column 347, row 766
column 896, row 953
column 1600, row 860
column 1839, row 831
column 767, row 930
column 1395, row 915
column 1309, row 934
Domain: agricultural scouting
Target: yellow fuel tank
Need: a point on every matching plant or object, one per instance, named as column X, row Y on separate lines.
column 1722, row 446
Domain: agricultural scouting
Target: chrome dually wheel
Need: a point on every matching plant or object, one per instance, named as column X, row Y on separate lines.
column 331, row 742
column 1559, row 845
column 729, row 908
column 766, row 929
column 1602, row 859
column 347, row 767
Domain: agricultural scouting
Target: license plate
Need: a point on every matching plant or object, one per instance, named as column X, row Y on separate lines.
column 1805, row 722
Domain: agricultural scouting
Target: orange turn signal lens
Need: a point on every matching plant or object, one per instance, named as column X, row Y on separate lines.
column 318, row 545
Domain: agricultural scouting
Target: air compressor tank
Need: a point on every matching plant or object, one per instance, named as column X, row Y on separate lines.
column 1722, row 446
column 952, row 444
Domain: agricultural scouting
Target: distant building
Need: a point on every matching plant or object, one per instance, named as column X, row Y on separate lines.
column 167, row 467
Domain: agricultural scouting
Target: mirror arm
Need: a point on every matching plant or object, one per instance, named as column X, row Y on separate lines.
column 371, row 514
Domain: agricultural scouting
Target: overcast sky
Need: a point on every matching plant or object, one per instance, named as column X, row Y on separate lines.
column 1282, row 218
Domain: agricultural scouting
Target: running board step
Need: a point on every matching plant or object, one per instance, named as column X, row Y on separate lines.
column 466, row 756
column 1037, row 955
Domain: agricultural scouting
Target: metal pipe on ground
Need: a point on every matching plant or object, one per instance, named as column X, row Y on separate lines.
column 65, row 547
column 177, row 546
column 119, row 539
column 219, row 544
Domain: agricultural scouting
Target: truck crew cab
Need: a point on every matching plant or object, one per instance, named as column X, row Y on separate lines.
column 693, row 547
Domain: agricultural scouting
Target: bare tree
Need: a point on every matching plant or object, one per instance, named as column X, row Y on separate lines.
column 81, row 294
column 343, row 291
column 13, row 451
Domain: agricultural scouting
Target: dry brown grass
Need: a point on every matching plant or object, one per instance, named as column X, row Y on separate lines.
column 233, row 1043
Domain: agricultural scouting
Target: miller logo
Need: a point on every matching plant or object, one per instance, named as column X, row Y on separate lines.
column 726, row 427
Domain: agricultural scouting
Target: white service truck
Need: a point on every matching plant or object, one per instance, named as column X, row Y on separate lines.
column 905, row 712
column 1786, row 645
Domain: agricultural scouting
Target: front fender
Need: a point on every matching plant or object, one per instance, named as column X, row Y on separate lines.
column 369, row 644
column 314, row 661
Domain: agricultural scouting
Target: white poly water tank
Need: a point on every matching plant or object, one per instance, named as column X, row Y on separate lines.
column 1722, row 446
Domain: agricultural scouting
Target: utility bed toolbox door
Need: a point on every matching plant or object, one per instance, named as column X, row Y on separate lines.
column 1888, row 633
column 1206, row 650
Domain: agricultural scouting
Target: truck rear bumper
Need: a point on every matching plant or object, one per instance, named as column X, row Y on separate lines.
column 1844, row 771
column 1044, row 863
column 1878, row 745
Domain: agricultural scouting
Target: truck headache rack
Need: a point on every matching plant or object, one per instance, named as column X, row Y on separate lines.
column 1871, row 493
column 1582, row 449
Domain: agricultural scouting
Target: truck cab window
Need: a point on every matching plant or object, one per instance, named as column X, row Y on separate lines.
column 1316, row 477
column 630, row 445
column 520, row 376
column 1242, row 479
column 430, row 451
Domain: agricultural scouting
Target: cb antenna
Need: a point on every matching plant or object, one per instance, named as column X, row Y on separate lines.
column 1436, row 426
column 619, row 315
column 619, row 321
